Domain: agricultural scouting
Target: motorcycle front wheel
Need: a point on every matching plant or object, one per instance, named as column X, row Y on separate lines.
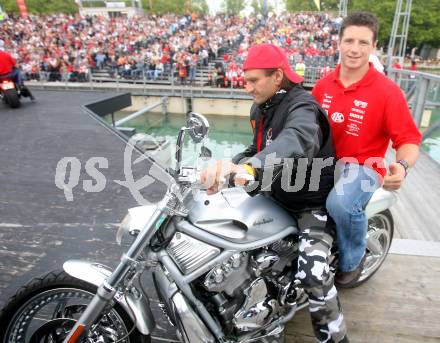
column 46, row 309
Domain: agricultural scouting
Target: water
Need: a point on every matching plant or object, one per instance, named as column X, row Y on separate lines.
column 228, row 135
column 432, row 144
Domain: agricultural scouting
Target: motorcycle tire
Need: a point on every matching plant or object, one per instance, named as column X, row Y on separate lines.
column 47, row 307
column 380, row 235
column 12, row 98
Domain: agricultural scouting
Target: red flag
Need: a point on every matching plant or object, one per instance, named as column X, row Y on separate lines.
column 22, row 8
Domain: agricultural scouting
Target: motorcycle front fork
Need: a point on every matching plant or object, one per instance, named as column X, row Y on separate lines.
column 108, row 289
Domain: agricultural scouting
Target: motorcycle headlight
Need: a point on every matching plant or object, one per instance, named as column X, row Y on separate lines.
column 125, row 236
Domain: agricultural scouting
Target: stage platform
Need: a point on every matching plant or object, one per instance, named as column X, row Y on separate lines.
column 39, row 228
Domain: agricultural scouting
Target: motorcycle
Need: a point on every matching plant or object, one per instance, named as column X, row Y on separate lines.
column 11, row 94
column 223, row 267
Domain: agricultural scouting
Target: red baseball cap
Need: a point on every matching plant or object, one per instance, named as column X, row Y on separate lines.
column 268, row 56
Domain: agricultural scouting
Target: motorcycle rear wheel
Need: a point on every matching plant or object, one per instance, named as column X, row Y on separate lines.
column 46, row 309
column 12, row 98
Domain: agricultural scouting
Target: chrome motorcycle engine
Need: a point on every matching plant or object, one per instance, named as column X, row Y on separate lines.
column 189, row 253
column 251, row 288
column 228, row 276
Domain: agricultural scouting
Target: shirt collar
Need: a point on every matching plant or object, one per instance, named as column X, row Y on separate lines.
column 274, row 100
column 368, row 78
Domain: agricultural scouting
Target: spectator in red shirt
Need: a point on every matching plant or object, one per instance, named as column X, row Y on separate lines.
column 7, row 66
column 366, row 111
column 396, row 65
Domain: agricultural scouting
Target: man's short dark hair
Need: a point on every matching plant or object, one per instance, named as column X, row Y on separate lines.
column 361, row 19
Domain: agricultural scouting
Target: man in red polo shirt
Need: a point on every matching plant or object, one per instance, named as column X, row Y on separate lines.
column 366, row 110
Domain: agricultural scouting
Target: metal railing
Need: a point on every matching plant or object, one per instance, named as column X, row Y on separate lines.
column 203, row 85
column 422, row 91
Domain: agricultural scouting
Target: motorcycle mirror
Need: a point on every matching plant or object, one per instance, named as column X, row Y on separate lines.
column 198, row 126
column 205, row 153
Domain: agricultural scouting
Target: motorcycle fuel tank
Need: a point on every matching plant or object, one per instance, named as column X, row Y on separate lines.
column 234, row 215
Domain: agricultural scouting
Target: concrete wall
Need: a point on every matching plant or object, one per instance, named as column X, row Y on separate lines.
column 230, row 107
column 202, row 105
column 105, row 11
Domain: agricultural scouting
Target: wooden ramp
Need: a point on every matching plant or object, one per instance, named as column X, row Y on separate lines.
column 417, row 212
column 400, row 304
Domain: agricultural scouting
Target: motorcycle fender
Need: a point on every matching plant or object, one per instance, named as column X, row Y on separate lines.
column 136, row 306
column 380, row 201
column 7, row 85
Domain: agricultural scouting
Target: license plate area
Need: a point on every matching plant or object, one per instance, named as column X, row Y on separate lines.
column 7, row 85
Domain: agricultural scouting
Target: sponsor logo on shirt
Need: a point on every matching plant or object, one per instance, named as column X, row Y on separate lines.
column 269, row 137
column 353, row 129
column 361, row 104
column 338, row 117
column 356, row 116
column 357, row 110
column 326, row 102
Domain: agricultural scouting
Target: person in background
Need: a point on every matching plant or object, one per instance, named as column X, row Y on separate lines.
column 300, row 67
column 396, row 64
column 8, row 69
column 376, row 63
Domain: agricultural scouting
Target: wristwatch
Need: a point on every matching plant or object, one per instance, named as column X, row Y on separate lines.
column 405, row 165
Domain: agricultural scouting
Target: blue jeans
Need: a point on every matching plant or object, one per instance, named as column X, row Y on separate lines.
column 354, row 186
column 16, row 76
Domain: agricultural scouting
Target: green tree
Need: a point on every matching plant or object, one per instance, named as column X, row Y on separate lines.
column 424, row 26
column 258, row 6
column 165, row 6
column 300, row 5
column 200, row 6
column 310, row 5
column 42, row 6
column 330, row 5
column 233, row 6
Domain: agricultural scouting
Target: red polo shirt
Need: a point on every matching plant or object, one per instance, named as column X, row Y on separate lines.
column 7, row 62
column 365, row 116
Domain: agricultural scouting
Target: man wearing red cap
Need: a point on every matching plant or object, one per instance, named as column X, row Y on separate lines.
column 291, row 133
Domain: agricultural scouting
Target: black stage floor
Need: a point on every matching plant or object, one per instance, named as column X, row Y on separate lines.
column 39, row 227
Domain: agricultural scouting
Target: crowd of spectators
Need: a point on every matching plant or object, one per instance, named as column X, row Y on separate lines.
column 309, row 39
column 68, row 48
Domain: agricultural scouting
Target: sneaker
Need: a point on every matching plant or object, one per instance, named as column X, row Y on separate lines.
column 348, row 279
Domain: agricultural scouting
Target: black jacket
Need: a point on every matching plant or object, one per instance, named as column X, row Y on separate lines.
column 296, row 136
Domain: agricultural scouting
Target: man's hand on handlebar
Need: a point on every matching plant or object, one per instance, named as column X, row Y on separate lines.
column 215, row 176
